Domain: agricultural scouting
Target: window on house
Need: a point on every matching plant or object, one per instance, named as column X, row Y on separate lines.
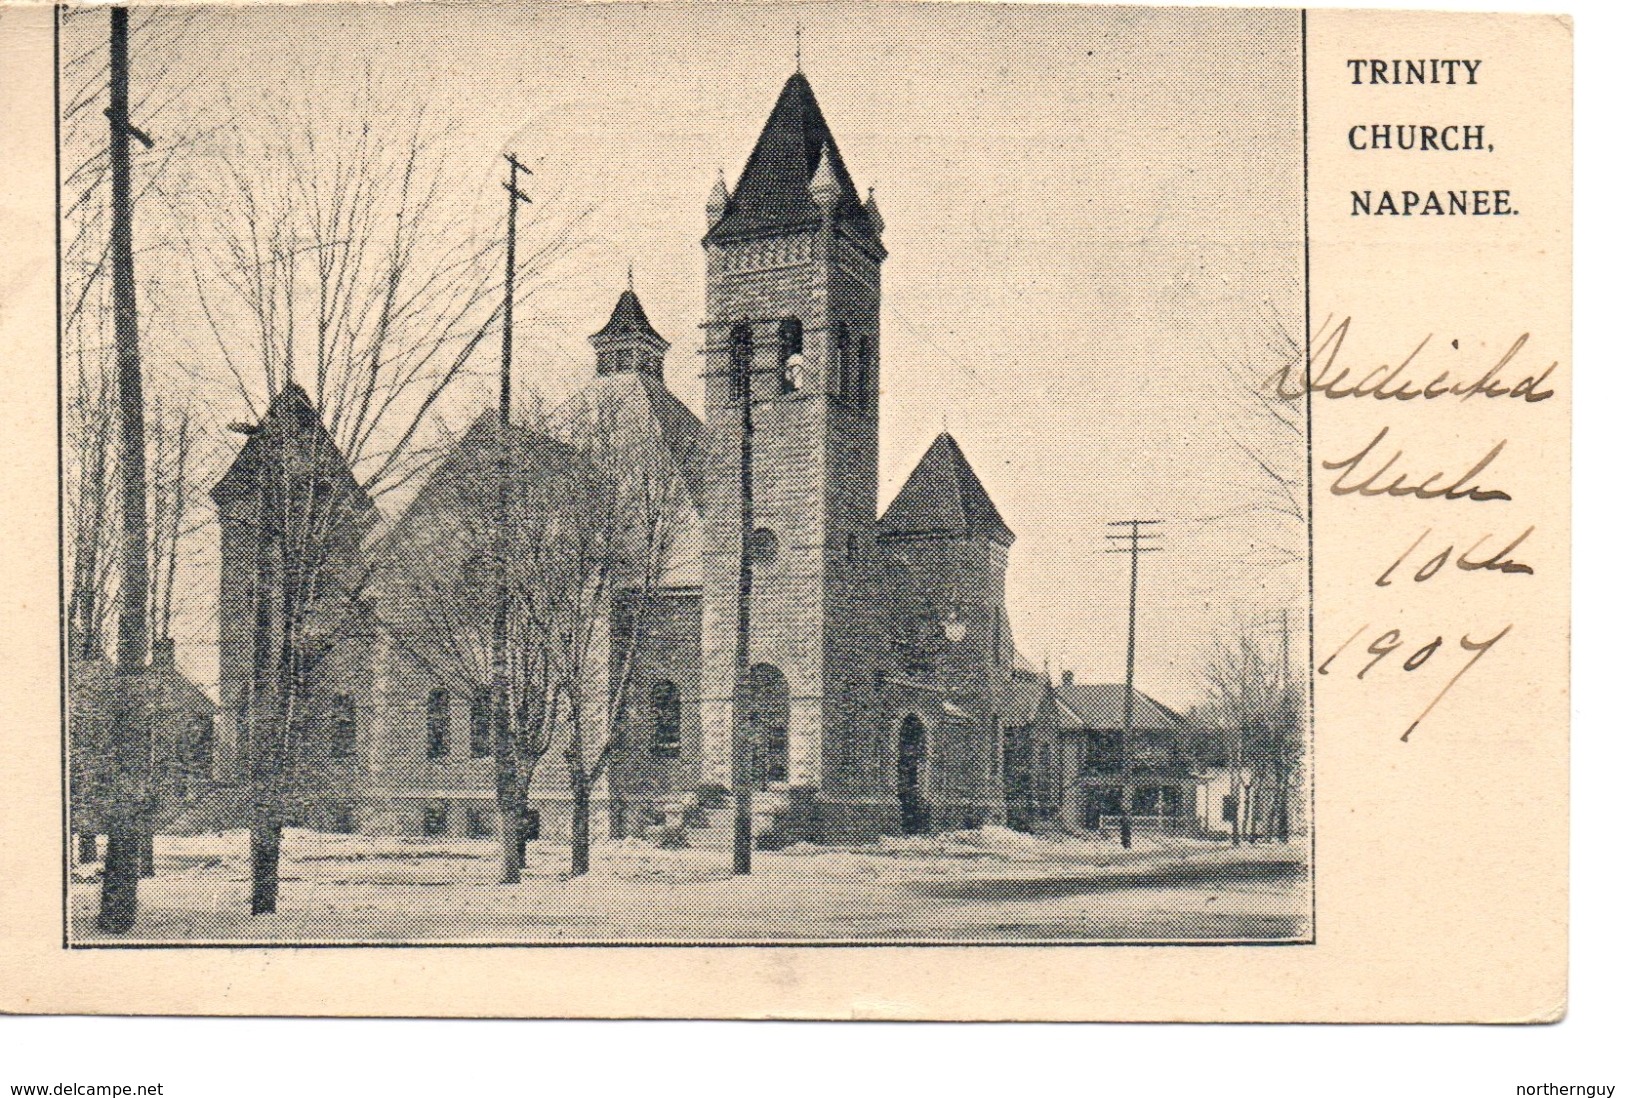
column 792, row 363
column 854, row 547
column 479, row 724
column 434, row 818
column 479, row 824
column 740, row 352
column 437, row 713
column 1229, row 811
column 666, row 714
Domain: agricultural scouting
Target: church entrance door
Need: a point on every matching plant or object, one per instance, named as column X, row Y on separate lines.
column 916, row 816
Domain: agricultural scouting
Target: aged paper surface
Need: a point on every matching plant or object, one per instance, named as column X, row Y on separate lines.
column 1223, row 354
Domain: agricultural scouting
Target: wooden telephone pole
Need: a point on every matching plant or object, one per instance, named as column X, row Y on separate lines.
column 1136, row 545
column 744, row 745
column 506, row 762
column 131, row 727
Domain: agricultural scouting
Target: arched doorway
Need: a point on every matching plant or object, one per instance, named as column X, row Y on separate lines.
column 769, row 723
column 916, row 816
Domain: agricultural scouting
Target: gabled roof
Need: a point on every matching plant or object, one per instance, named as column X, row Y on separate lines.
column 1098, row 707
column 291, row 415
column 628, row 318
column 944, row 496
column 773, row 189
column 464, row 477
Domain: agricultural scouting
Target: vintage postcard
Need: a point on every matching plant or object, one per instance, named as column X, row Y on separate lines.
column 787, row 510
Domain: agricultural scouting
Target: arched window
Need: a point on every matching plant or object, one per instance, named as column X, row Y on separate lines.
column 792, row 364
column 437, row 715
column 343, row 722
column 860, row 382
column 740, row 352
column 666, row 718
column 843, row 359
column 479, row 724
column 769, row 722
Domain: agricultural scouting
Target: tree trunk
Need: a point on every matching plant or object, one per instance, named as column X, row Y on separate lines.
column 87, row 852
column 511, row 834
column 147, row 867
column 121, row 872
column 265, row 856
column 580, row 827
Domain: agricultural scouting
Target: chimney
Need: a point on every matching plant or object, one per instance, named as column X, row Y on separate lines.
column 1066, row 678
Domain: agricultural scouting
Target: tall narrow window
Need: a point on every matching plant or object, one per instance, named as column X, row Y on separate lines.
column 769, row 725
column 479, row 724
column 860, row 382
column 666, row 715
column 437, row 712
column 843, row 360
column 343, row 722
column 202, row 752
column 740, row 352
column 792, row 364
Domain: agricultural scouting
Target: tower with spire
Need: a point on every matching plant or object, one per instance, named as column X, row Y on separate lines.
column 628, row 342
column 793, row 266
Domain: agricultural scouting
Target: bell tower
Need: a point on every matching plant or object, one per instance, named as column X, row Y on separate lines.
column 792, row 353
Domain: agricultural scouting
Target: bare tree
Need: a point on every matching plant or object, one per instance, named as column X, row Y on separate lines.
column 592, row 518
column 346, row 296
column 1255, row 711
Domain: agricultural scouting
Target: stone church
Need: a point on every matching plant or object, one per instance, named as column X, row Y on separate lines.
column 880, row 655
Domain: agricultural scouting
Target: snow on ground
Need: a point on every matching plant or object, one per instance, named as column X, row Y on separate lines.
column 986, row 884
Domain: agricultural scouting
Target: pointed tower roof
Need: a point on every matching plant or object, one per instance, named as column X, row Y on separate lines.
column 944, row 496
column 627, row 318
column 291, row 416
column 773, row 190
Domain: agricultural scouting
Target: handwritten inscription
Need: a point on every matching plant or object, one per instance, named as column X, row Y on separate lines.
column 1401, row 380
column 1392, row 641
column 1500, row 561
column 1363, row 462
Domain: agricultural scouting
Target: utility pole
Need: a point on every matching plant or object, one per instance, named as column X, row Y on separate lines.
column 131, row 730
column 506, row 761
column 1135, row 547
column 744, row 745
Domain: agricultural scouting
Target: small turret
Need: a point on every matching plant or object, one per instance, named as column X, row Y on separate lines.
column 872, row 208
column 824, row 188
column 717, row 204
column 629, row 342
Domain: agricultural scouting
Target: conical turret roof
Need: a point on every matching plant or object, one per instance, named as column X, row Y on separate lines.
column 944, row 496
column 627, row 318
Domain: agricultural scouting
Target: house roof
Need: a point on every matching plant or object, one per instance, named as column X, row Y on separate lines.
column 1098, row 707
column 773, row 191
column 944, row 496
column 627, row 319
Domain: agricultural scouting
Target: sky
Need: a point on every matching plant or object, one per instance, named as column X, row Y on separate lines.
column 1094, row 217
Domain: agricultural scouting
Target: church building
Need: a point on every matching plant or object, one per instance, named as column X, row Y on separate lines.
column 878, row 645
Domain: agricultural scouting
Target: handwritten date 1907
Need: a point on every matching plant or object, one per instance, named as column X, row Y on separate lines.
column 1389, row 642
